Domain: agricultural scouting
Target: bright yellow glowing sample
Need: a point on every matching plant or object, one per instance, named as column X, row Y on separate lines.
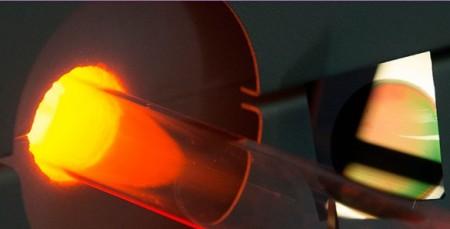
column 78, row 127
column 58, row 130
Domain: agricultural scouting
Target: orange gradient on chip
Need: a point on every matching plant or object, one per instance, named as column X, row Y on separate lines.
column 79, row 128
column 403, row 118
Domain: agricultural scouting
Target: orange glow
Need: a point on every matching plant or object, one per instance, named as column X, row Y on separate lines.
column 80, row 128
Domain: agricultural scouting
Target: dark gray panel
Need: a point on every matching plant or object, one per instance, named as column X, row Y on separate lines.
column 298, row 42
column 24, row 28
column 12, row 212
column 286, row 124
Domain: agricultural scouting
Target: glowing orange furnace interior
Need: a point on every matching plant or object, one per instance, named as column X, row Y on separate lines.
column 80, row 128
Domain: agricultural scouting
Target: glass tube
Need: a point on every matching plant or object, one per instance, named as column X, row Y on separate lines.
column 188, row 171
